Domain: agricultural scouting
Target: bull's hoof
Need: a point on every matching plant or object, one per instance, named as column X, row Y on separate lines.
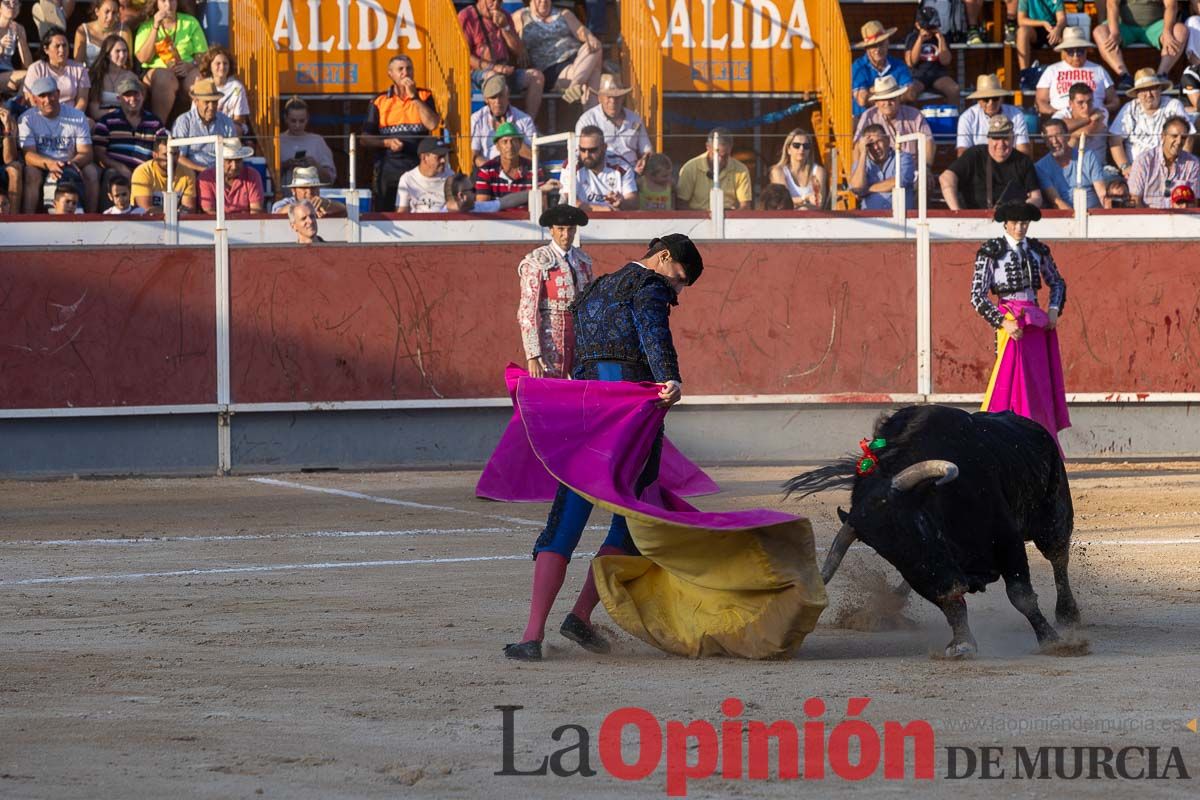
column 957, row 651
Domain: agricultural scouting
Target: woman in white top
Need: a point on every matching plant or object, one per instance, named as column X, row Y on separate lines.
column 299, row 148
column 112, row 64
column 105, row 22
column 14, row 44
column 218, row 64
column 566, row 52
column 798, row 171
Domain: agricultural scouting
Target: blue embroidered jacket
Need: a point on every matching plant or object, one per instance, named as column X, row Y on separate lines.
column 625, row 317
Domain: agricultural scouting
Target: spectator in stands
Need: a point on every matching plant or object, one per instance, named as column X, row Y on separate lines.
column 873, row 176
column 66, row 199
column 243, row 184
column 656, row 185
column 306, row 186
column 12, row 170
column 1116, row 194
column 496, row 49
column 6, row 205
column 397, row 121
column 1040, row 24
column 303, row 219
column 624, row 134
column 1057, row 170
column 696, row 175
column 14, row 44
column 202, row 119
column 105, row 22
column 299, row 148
column 973, row 123
column 897, row 119
column 1084, row 119
column 1157, row 172
column 49, row 14
column 57, row 144
column 1156, row 23
column 874, row 64
column 567, row 53
column 602, row 185
column 460, row 197
column 112, row 66
column 989, row 174
column 927, row 54
column 168, row 45
column 775, row 197
column 70, row 76
column 797, row 171
column 1138, row 126
column 495, row 112
column 1054, row 86
column 119, row 198
column 1189, row 82
column 422, row 190
column 150, row 180
column 217, row 63
column 509, row 172
column 974, row 9
column 124, row 138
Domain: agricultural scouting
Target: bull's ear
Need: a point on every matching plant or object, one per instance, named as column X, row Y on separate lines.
column 842, row 515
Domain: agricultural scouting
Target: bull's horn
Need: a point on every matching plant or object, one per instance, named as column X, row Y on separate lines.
column 943, row 471
column 837, row 551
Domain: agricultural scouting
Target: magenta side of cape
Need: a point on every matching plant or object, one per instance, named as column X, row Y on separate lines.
column 594, row 436
column 514, row 475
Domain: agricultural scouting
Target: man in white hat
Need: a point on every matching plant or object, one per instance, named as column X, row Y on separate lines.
column 895, row 117
column 875, row 63
column 202, row 119
column 1054, row 87
column 306, row 188
column 243, row 184
column 1157, row 24
column 1139, row 125
column 624, row 134
column 989, row 102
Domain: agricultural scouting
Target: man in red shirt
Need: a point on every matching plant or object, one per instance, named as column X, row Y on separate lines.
column 496, row 49
column 243, row 184
column 397, row 121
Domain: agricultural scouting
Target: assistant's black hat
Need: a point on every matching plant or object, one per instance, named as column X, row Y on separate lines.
column 683, row 250
column 562, row 214
column 1017, row 211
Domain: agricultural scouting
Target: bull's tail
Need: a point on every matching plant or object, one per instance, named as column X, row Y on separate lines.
column 839, row 474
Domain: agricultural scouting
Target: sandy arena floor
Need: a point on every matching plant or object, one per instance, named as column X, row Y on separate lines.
column 338, row 635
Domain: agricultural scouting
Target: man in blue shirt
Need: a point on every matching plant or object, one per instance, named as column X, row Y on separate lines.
column 1056, row 171
column 874, row 64
column 874, row 173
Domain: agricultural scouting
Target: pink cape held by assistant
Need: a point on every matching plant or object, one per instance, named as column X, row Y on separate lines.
column 737, row 583
column 514, row 475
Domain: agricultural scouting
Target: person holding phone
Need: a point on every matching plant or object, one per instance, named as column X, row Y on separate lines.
column 927, row 54
column 299, row 148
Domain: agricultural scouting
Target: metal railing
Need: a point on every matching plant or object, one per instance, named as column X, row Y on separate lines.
column 833, row 85
column 448, row 72
column 643, row 61
column 258, row 62
column 569, row 172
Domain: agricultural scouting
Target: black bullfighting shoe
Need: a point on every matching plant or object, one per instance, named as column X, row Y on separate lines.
column 525, row 651
column 583, row 635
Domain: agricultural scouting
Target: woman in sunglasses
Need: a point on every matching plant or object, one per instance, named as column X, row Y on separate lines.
column 798, row 171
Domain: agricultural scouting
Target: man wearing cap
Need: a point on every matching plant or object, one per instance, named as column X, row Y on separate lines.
column 243, row 184
column 625, row 136
column 887, row 109
column 622, row 333
column 989, row 102
column 1138, row 126
column 1083, row 118
column 927, row 54
column 1157, row 172
column 124, row 137
column 552, row 276
column 397, row 121
column 988, row 174
column 306, row 186
column 508, row 172
column 874, row 64
column 601, row 185
column 1057, row 170
column 1154, row 23
column 202, row 119
column 496, row 111
column 422, row 190
column 57, row 142
column 149, row 181
column 1054, row 86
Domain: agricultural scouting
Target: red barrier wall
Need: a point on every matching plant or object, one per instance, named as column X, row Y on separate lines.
column 386, row 322
column 107, row 327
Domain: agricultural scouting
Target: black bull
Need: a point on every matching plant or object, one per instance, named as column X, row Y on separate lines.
column 953, row 500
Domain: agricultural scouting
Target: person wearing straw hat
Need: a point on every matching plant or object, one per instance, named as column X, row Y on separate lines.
column 898, row 119
column 1154, row 24
column 874, row 64
column 202, row 119
column 1040, row 24
column 1057, row 171
column 624, row 134
column 1157, row 172
column 1054, row 86
column 989, row 174
column 1138, row 126
column 306, row 186
column 243, row 184
column 989, row 102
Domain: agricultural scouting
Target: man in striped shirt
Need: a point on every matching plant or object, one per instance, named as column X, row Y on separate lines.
column 509, row 172
column 124, row 137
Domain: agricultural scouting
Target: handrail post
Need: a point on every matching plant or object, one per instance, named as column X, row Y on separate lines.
column 353, row 213
column 716, row 197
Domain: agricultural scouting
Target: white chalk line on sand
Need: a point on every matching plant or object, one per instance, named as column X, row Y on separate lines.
column 133, row 541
